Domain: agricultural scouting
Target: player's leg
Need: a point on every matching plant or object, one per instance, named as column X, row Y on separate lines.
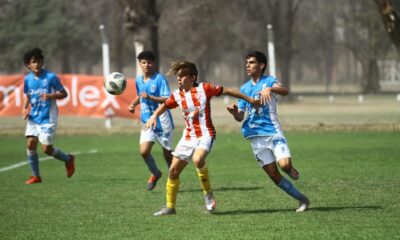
column 147, row 139
column 46, row 138
column 33, row 159
column 286, row 165
column 199, row 160
column 281, row 150
column 172, row 186
column 166, row 140
column 273, row 172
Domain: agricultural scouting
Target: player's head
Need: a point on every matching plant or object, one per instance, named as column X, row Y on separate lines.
column 146, row 55
column 259, row 57
column 146, row 62
column 33, row 54
column 184, row 69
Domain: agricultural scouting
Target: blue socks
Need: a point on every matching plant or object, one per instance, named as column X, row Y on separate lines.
column 290, row 189
column 33, row 161
column 151, row 164
column 60, row 155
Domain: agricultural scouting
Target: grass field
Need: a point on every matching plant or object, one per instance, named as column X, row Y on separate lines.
column 351, row 178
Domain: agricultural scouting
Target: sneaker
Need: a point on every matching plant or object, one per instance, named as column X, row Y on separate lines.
column 303, row 205
column 152, row 182
column 210, row 202
column 165, row 211
column 70, row 166
column 294, row 174
column 33, row 179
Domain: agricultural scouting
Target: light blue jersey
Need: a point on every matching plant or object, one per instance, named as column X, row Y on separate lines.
column 156, row 86
column 42, row 111
column 261, row 121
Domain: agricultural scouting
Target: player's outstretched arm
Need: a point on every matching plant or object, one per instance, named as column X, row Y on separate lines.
column 25, row 109
column 236, row 94
column 153, row 98
column 237, row 115
column 152, row 121
column 57, row 95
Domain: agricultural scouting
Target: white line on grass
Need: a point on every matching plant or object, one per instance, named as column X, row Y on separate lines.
column 17, row 165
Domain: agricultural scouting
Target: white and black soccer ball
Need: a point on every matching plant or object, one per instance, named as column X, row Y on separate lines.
column 115, row 83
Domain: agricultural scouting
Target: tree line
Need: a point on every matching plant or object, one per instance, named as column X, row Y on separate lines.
column 316, row 41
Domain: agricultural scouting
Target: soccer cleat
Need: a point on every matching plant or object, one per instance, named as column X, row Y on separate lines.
column 70, row 166
column 304, row 203
column 210, row 202
column 152, row 182
column 165, row 211
column 294, row 174
column 34, row 179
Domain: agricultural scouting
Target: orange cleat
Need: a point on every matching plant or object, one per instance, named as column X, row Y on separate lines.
column 33, row 180
column 70, row 166
column 152, row 182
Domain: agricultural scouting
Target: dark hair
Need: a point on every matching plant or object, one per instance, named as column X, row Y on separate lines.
column 35, row 53
column 259, row 56
column 147, row 55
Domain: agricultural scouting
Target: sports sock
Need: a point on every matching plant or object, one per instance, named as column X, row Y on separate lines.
column 202, row 173
column 151, row 164
column 60, row 155
column 290, row 189
column 172, row 191
column 33, row 161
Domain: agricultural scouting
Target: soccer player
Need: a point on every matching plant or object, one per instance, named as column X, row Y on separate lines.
column 198, row 136
column 262, row 127
column 153, row 89
column 42, row 88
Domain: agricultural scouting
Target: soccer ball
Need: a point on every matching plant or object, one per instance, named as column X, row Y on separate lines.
column 115, row 83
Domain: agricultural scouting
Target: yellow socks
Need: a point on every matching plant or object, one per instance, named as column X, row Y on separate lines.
column 202, row 173
column 172, row 191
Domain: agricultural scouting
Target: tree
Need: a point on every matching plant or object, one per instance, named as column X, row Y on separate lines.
column 141, row 19
column 389, row 11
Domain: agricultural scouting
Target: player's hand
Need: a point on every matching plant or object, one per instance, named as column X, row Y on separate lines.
column 233, row 109
column 25, row 114
column 144, row 95
column 265, row 96
column 131, row 108
column 151, row 123
column 45, row 97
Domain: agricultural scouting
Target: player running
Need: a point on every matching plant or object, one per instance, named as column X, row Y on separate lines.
column 152, row 89
column 41, row 89
column 198, row 136
column 262, row 127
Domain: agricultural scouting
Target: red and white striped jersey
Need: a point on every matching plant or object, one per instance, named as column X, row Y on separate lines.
column 195, row 105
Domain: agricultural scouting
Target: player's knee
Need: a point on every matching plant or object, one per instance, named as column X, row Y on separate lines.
column 48, row 150
column 285, row 164
column 173, row 173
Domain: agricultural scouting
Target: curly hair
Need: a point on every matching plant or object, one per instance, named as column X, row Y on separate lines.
column 35, row 53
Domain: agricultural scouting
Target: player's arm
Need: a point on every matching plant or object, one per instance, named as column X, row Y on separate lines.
column 277, row 88
column 160, row 99
column 57, row 95
column 25, row 109
column 236, row 113
column 236, row 94
column 152, row 121
column 133, row 104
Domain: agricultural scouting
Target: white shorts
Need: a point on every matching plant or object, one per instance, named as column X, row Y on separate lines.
column 269, row 149
column 164, row 138
column 44, row 132
column 185, row 148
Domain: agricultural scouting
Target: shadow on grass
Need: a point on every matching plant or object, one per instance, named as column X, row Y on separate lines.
column 319, row 209
column 223, row 189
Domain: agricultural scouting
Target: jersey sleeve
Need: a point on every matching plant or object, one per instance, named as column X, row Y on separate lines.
column 164, row 88
column 171, row 102
column 57, row 83
column 270, row 81
column 212, row 90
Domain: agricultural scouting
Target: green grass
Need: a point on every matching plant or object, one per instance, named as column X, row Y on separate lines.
column 352, row 180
